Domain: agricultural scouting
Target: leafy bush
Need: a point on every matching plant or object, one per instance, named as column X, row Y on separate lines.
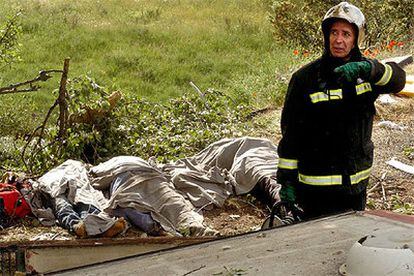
column 183, row 126
column 9, row 45
column 401, row 206
column 298, row 23
column 98, row 129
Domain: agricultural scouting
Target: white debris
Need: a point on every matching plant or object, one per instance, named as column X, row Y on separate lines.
column 234, row 216
column 401, row 166
column 49, row 236
column 390, row 125
column 386, row 99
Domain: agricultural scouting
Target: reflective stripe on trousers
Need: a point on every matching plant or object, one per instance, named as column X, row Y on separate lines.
column 329, row 180
column 290, row 164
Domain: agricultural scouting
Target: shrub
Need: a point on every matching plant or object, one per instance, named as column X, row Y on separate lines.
column 298, row 22
column 9, row 36
column 98, row 130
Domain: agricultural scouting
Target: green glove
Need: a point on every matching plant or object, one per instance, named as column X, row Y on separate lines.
column 288, row 193
column 352, row 70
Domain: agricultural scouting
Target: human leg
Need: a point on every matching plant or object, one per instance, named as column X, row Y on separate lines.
column 65, row 213
column 267, row 191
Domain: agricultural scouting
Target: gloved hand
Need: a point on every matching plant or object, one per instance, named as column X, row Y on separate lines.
column 352, row 70
column 288, row 193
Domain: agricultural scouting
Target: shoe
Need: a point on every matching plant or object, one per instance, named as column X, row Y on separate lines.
column 119, row 226
column 80, row 229
column 288, row 219
column 277, row 222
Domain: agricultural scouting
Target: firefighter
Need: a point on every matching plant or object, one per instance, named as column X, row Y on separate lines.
column 326, row 152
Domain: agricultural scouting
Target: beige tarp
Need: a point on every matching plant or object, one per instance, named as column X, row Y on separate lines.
column 173, row 193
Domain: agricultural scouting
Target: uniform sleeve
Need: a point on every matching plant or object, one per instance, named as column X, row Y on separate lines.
column 387, row 77
column 291, row 123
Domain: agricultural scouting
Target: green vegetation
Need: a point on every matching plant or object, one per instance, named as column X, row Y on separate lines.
column 397, row 203
column 9, row 35
column 387, row 21
column 97, row 131
column 150, row 48
column 401, row 206
column 150, row 51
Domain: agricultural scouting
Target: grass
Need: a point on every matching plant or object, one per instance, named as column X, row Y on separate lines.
column 145, row 48
column 150, row 48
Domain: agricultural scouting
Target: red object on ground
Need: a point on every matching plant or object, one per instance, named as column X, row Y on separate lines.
column 14, row 203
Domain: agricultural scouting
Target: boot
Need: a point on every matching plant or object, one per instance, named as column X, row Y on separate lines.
column 80, row 230
column 119, row 226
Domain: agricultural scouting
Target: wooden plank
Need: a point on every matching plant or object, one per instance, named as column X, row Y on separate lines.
column 51, row 259
column 52, row 256
column 105, row 241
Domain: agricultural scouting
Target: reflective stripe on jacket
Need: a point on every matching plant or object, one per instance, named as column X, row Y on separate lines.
column 326, row 125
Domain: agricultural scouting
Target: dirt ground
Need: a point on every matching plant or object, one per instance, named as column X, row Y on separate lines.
column 390, row 188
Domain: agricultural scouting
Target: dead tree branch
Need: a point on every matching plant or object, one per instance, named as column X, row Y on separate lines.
column 62, row 100
column 379, row 181
column 39, row 132
column 8, row 28
column 384, row 196
column 40, row 128
column 14, row 88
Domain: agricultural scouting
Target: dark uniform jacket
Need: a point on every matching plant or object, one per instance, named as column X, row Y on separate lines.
column 327, row 124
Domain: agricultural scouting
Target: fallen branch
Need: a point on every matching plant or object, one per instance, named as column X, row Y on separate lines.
column 202, row 207
column 260, row 111
column 200, row 93
column 384, row 197
column 373, row 188
column 254, row 206
column 194, row 270
column 379, row 181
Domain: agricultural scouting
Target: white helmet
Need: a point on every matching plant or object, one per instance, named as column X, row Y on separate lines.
column 347, row 12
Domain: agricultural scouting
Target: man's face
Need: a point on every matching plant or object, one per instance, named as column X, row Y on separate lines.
column 341, row 39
